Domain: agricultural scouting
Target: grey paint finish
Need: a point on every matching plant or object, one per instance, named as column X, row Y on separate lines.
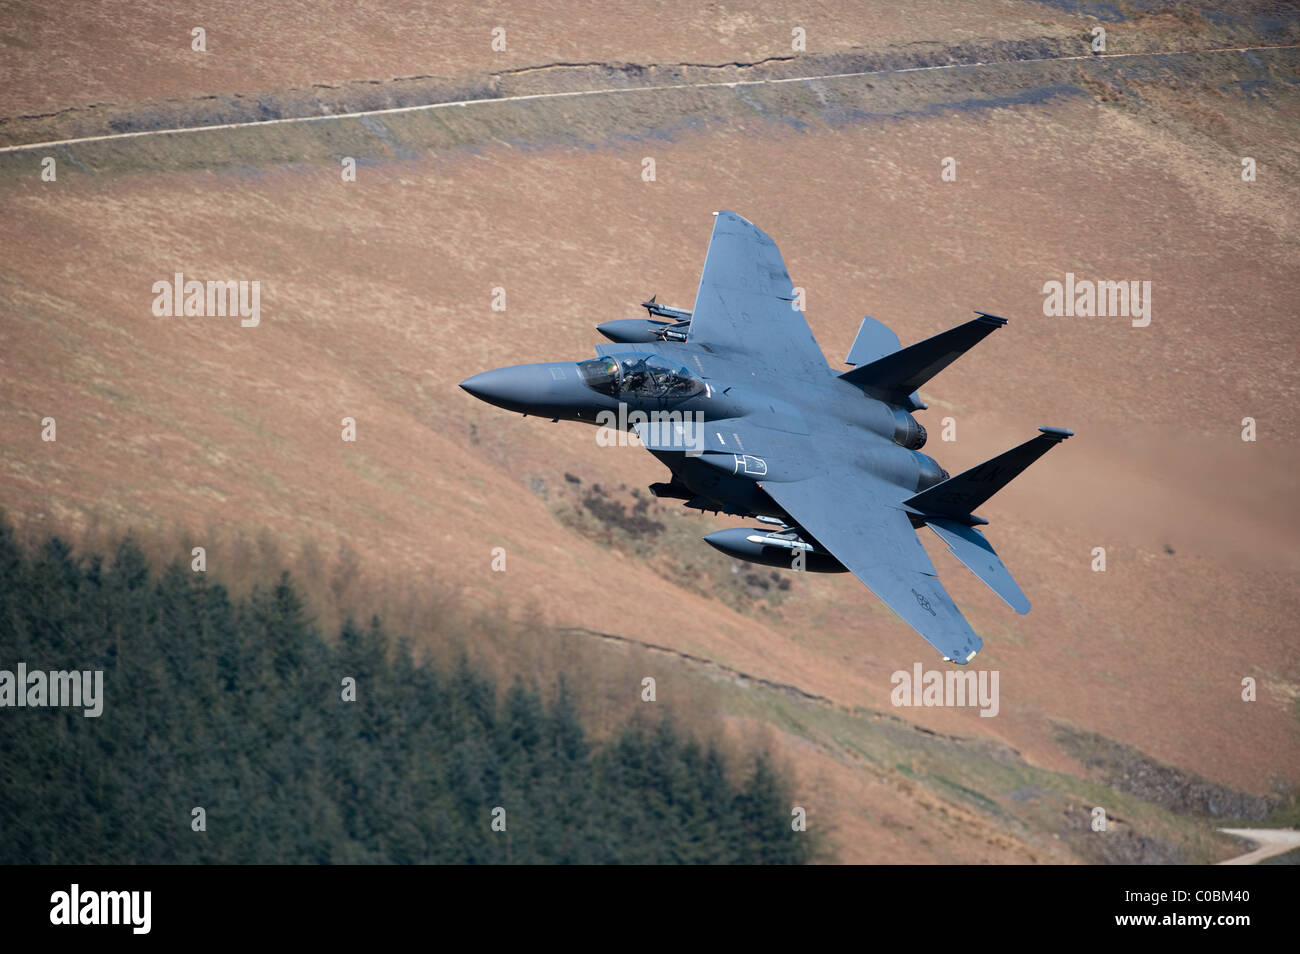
column 737, row 400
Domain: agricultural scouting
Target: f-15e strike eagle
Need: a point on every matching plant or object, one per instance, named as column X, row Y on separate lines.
column 735, row 397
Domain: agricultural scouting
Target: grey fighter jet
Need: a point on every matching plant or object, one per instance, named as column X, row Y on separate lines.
column 735, row 397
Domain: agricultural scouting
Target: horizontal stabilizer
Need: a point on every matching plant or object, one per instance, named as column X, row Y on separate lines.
column 959, row 496
column 970, row 546
column 895, row 376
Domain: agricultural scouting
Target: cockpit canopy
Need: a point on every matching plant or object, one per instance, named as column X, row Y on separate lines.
column 639, row 375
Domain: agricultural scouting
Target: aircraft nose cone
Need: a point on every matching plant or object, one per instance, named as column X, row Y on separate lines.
column 479, row 385
column 500, row 386
column 524, row 387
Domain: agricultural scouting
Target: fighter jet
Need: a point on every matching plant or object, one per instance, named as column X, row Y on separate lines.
column 735, row 397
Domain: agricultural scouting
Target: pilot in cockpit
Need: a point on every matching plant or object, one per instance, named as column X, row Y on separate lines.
column 639, row 375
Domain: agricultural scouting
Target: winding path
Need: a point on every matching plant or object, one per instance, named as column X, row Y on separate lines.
column 1270, row 842
column 327, row 117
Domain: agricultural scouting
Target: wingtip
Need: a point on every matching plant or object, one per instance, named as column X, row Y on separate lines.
column 962, row 661
column 1059, row 433
column 736, row 216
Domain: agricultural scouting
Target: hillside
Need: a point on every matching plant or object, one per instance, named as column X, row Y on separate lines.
column 376, row 300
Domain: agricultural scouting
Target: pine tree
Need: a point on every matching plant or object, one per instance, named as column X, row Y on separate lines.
column 236, row 706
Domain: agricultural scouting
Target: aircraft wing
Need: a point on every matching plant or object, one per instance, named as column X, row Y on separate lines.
column 854, row 517
column 745, row 302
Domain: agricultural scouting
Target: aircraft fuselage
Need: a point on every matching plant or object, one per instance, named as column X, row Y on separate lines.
column 710, row 393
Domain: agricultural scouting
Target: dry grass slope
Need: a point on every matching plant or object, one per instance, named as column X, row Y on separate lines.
column 376, row 301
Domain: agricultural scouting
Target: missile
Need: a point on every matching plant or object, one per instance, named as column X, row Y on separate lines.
column 664, row 311
column 773, row 549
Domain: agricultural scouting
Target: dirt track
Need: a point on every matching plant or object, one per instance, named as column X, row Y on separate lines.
column 1269, row 842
